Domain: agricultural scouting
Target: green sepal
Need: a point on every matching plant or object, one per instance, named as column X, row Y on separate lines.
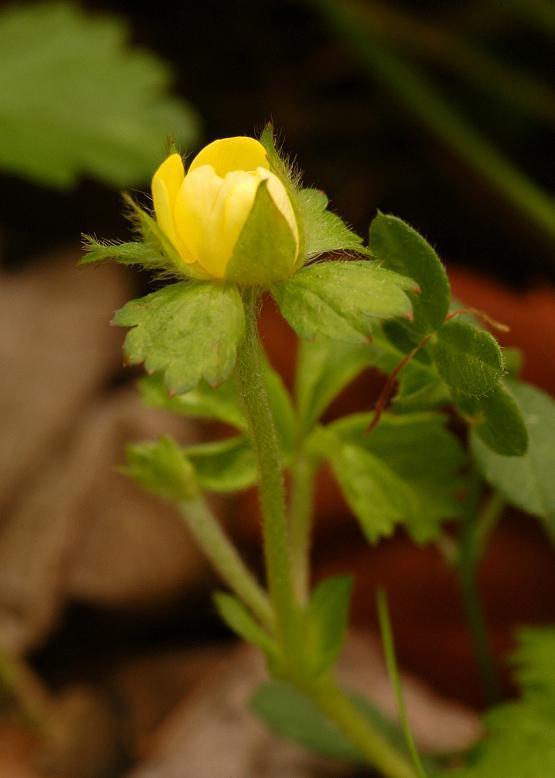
column 342, row 300
column 526, row 481
column 326, row 623
column 237, row 617
column 160, row 467
column 266, row 249
column 189, row 332
column 403, row 250
column 469, row 360
column 497, row 420
column 324, row 231
column 128, row 253
column 224, row 466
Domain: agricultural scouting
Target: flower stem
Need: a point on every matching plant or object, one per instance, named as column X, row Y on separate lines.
column 300, row 522
column 223, row 555
column 270, row 488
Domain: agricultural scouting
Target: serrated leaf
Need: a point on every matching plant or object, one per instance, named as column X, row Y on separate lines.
column 527, row 482
column 75, row 99
column 417, row 479
column 403, row 250
column 324, row 231
column 342, row 300
column 227, row 465
column 327, row 620
column 375, row 494
column 520, row 742
column 219, row 403
column 189, row 332
column 420, row 389
column 161, row 468
column 468, row 360
column 324, row 368
column 238, row 619
column 266, row 248
column 497, row 420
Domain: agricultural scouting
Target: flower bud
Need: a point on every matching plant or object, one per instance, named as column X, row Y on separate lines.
column 217, row 216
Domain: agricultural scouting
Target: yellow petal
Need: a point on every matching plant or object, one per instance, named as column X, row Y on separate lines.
column 229, row 154
column 165, row 185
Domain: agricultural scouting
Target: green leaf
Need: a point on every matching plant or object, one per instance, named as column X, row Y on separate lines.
column 406, row 470
column 327, row 620
column 420, row 389
column 497, row 421
column 266, row 249
column 161, row 468
column 237, row 617
column 341, row 300
column 324, row 231
column 187, row 331
column 227, row 465
column 520, row 742
column 76, row 99
column 324, row 368
column 378, row 498
column 527, row 482
column 469, row 360
column 294, row 716
column 403, row 250
column 219, row 403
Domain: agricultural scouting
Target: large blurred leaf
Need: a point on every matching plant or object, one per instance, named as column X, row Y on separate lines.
column 75, row 99
column 527, row 481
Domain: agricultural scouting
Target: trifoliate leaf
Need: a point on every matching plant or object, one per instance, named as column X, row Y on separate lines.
column 161, row 468
column 469, row 360
column 227, row 465
column 327, row 620
column 406, row 470
column 497, row 420
column 238, row 618
column 219, row 403
column 341, row 300
column 324, row 231
column 266, row 248
column 402, row 249
column 520, row 742
column 189, row 332
column 527, row 481
column 76, row 99
column 324, row 368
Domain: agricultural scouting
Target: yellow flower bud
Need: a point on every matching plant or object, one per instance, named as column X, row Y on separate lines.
column 204, row 211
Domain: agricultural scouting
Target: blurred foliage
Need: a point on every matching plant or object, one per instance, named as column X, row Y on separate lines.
column 76, row 99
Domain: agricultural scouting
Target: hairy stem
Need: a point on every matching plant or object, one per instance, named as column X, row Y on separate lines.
column 300, row 523
column 223, row 555
column 270, row 487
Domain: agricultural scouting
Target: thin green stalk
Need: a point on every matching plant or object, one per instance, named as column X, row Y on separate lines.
column 332, row 701
column 413, row 89
column 300, row 522
column 223, row 555
column 393, row 672
column 467, row 566
column 270, row 486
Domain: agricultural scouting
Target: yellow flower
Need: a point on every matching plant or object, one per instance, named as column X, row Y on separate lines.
column 204, row 211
